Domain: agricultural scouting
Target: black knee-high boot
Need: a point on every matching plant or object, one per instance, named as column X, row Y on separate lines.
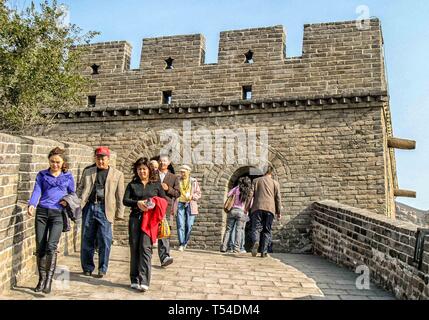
column 51, row 263
column 41, row 267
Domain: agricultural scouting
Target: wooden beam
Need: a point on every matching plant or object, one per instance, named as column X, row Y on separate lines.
column 404, row 193
column 401, row 143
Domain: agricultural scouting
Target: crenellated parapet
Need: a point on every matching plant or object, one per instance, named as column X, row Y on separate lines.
column 110, row 57
column 337, row 58
column 186, row 51
column 268, row 45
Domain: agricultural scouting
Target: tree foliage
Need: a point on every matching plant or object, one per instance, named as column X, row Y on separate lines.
column 38, row 71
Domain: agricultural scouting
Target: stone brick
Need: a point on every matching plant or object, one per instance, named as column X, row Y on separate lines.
column 21, row 158
column 326, row 114
column 390, row 265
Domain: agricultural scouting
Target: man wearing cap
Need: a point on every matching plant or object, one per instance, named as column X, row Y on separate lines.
column 101, row 191
column 186, row 205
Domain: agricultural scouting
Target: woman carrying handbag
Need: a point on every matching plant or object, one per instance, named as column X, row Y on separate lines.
column 237, row 207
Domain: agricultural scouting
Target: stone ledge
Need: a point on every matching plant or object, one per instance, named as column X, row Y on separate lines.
column 370, row 216
column 373, row 21
column 6, row 138
column 240, row 106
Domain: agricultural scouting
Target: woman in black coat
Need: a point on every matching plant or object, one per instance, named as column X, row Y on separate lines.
column 145, row 185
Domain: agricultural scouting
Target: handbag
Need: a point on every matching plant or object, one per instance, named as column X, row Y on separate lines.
column 164, row 230
column 229, row 203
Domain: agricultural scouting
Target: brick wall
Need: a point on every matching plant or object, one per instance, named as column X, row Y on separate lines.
column 352, row 237
column 21, row 159
column 332, row 151
column 326, row 113
column 337, row 58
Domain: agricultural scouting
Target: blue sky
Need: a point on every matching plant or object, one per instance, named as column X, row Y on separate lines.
column 405, row 28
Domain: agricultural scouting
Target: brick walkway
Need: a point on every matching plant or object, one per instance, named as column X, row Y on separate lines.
column 199, row 274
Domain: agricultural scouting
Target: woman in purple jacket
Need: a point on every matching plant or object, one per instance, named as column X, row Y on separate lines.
column 52, row 185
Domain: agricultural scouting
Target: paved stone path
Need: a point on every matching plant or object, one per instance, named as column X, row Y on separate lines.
column 197, row 274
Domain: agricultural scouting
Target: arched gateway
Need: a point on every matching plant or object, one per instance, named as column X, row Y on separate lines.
column 326, row 115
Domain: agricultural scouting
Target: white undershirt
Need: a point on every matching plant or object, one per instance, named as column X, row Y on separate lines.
column 162, row 176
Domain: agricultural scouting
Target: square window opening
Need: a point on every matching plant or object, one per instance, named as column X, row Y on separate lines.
column 247, row 93
column 91, row 101
column 166, row 97
column 95, row 68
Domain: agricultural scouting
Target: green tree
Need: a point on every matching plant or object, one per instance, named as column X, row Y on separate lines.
column 39, row 65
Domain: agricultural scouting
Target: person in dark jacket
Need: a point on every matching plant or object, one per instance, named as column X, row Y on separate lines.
column 170, row 184
column 52, row 185
column 144, row 186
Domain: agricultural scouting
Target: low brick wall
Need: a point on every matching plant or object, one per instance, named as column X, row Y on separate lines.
column 351, row 237
column 20, row 160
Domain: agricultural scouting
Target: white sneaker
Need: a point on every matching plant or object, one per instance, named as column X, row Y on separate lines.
column 144, row 288
column 181, row 248
column 167, row 261
column 135, row 286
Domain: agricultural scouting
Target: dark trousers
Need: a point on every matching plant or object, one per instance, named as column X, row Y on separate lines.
column 262, row 222
column 163, row 248
column 95, row 226
column 49, row 226
column 140, row 251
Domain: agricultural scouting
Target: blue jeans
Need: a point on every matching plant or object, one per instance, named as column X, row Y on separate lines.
column 185, row 221
column 236, row 220
column 232, row 237
column 95, row 226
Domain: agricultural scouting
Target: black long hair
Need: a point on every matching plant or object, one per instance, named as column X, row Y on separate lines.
column 153, row 176
column 245, row 187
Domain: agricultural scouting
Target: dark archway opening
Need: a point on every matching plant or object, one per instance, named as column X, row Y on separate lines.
column 250, row 172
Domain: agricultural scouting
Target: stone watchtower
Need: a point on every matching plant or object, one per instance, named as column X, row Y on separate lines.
column 322, row 119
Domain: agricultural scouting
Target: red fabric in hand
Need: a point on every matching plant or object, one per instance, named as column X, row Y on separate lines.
column 153, row 217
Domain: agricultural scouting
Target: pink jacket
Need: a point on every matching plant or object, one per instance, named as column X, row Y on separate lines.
column 237, row 203
column 196, row 195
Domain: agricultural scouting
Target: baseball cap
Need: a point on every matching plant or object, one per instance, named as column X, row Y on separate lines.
column 102, row 151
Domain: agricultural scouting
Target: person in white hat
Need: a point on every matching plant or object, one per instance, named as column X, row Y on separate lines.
column 186, row 206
